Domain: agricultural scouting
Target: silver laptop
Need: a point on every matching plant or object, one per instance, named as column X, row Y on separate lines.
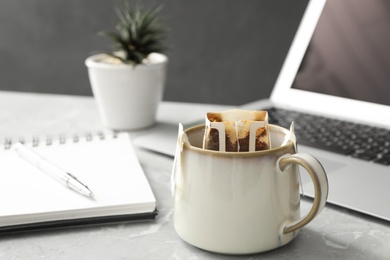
column 338, row 67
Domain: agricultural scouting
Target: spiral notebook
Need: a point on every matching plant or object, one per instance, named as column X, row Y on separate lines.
column 106, row 163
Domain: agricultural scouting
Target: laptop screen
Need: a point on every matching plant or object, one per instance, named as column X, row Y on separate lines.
column 349, row 53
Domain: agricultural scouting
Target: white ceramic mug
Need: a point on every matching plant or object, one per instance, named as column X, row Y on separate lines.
column 242, row 202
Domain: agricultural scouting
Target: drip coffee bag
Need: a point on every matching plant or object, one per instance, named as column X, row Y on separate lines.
column 236, row 131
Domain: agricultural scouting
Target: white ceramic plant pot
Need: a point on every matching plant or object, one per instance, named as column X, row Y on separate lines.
column 127, row 96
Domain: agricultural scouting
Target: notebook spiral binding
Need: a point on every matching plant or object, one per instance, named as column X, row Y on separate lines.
column 47, row 140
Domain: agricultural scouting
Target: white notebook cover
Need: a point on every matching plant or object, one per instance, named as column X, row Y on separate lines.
column 109, row 167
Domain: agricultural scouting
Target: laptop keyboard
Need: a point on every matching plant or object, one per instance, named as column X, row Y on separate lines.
column 356, row 140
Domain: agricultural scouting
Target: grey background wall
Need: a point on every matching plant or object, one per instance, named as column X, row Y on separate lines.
column 222, row 51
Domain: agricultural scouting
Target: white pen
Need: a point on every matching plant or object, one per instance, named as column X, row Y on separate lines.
column 52, row 170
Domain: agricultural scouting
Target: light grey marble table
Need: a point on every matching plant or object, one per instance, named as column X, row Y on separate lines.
column 335, row 234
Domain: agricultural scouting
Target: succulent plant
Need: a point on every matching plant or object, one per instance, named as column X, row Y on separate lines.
column 139, row 32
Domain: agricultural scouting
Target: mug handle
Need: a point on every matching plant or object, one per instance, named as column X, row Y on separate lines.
column 320, row 181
